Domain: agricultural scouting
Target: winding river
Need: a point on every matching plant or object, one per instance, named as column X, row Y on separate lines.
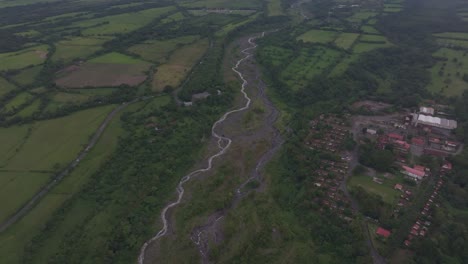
column 223, row 144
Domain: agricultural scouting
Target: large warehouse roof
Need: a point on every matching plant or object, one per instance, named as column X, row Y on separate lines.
column 437, row 121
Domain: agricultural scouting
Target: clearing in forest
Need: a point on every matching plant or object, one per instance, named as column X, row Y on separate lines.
column 181, row 61
column 109, row 70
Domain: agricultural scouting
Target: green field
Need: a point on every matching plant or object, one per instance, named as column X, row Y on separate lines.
column 310, row 63
column 29, row 110
column 53, row 143
column 77, row 48
column 370, row 42
column 159, row 50
column 122, row 23
column 385, row 190
column 181, row 61
column 61, row 99
column 13, row 241
column 27, row 76
column 274, row 8
column 16, row 102
column 369, row 29
column 346, row 40
column 239, row 4
column 361, row 16
column 452, row 35
column 447, row 76
column 318, row 36
column 23, row 58
column 16, row 188
column 115, row 58
column 5, row 86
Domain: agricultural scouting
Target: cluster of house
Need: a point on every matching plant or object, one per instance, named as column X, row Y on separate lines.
column 422, row 224
column 327, row 134
column 324, row 138
column 405, row 197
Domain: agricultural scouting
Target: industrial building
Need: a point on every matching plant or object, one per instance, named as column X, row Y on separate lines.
column 420, row 119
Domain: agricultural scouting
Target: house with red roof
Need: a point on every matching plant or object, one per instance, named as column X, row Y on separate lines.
column 394, row 136
column 414, row 173
column 417, row 141
column 447, row 166
column 383, row 232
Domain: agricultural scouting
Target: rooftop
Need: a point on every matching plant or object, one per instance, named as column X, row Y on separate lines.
column 383, row 232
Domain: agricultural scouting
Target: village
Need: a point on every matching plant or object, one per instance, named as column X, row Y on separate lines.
column 420, row 142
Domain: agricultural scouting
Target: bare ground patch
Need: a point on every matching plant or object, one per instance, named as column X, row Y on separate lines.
column 102, row 75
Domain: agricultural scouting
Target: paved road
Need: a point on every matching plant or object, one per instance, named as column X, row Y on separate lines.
column 38, row 196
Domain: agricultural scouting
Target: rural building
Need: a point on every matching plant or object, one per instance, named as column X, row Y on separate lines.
column 200, row 96
column 371, row 131
column 398, row 187
column 383, row 232
column 426, row 110
column 394, row 136
column 434, row 121
column 416, row 174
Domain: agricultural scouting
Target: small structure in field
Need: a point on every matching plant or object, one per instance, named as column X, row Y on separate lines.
column 383, row 232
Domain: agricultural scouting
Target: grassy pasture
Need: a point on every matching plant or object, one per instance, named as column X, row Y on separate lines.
column 115, row 58
column 203, row 12
column 16, row 188
column 385, row 190
column 229, row 27
column 29, row 33
column 5, row 87
column 452, row 35
column 28, row 76
column 239, row 4
column 392, row 9
column 310, row 63
column 369, row 29
column 53, row 143
column 318, row 36
column 447, row 76
column 77, row 48
column 109, row 70
column 181, row 61
column 23, row 58
column 61, row 99
column 13, row 241
column 122, row 23
column 17, row 101
column 173, row 18
column 159, row 50
column 373, row 38
column 361, row 16
column 274, row 8
column 30, row 109
column 346, row 40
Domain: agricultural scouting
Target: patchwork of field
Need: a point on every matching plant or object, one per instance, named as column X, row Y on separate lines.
column 122, row 23
column 77, row 48
column 276, row 55
column 30, row 154
column 227, row 4
column 159, row 50
column 17, row 101
column 450, row 73
column 340, row 39
column 23, row 58
column 179, row 64
column 310, row 63
column 109, row 70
